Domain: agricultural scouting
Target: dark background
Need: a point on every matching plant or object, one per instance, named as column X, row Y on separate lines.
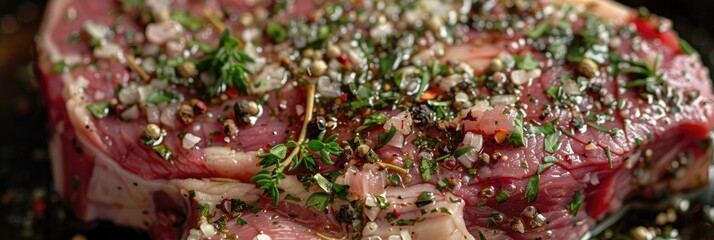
column 29, row 210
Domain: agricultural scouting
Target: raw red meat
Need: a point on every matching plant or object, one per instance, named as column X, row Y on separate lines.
column 590, row 138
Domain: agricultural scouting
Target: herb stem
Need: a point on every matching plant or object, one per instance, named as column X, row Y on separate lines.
column 323, row 236
column 392, row 167
column 214, row 19
column 303, row 132
column 131, row 60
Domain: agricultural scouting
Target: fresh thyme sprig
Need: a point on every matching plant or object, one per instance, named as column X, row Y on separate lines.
column 303, row 154
column 228, row 62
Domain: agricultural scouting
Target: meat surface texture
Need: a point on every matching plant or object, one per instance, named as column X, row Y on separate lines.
column 231, row 119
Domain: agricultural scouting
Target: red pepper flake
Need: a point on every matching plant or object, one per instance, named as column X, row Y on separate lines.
column 500, row 135
column 344, row 59
column 343, row 97
column 395, row 213
column 39, row 207
column 428, row 95
column 231, row 92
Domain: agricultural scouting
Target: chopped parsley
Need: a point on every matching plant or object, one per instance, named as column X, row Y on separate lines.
column 531, row 191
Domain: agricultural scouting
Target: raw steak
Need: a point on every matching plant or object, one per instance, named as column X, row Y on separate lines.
column 368, row 119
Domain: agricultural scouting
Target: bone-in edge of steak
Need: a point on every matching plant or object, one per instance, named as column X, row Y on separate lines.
column 419, row 120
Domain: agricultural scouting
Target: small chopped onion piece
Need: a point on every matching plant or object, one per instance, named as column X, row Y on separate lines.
column 152, row 114
column 370, row 228
column 519, row 77
column 168, row 115
column 397, row 141
column 262, row 236
column 208, row 229
column 405, row 235
column 109, row 50
column 402, row 122
column 328, row 88
column 570, row 87
column 468, row 158
column 190, row 141
column 95, row 30
column 162, row 32
column 475, row 141
column 130, row 113
column 505, row 99
column 128, row 95
column 194, row 234
column 272, row 76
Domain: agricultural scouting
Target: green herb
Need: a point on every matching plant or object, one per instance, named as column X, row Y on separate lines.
column 609, row 155
column 424, row 85
column 131, row 3
column 546, row 129
column 460, row 152
column 388, row 64
column 538, row 30
column 163, row 152
column 159, row 97
column 278, row 158
column 502, row 196
column 99, row 110
column 548, row 161
column 574, row 206
column 643, row 75
column 553, row 92
column 598, row 127
column 531, row 191
column 326, row 148
column 319, row 201
column 240, row 221
column 372, row 120
column 526, row 62
column 408, row 164
column 425, row 198
column 427, row 168
column 276, row 32
column 391, row 217
column 384, row 138
column 551, row 142
column 382, row 202
column 481, row 236
column 517, row 138
column 588, row 42
column 268, row 181
column 686, row 47
column 445, row 211
column 491, row 223
column 229, row 64
column 203, row 210
column 443, row 185
column 188, row 20
column 406, row 222
column 59, row 67
column 395, row 179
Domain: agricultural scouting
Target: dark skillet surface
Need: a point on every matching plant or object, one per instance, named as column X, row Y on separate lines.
column 30, row 210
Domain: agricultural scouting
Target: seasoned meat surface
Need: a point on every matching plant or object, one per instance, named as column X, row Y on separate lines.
column 363, row 119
